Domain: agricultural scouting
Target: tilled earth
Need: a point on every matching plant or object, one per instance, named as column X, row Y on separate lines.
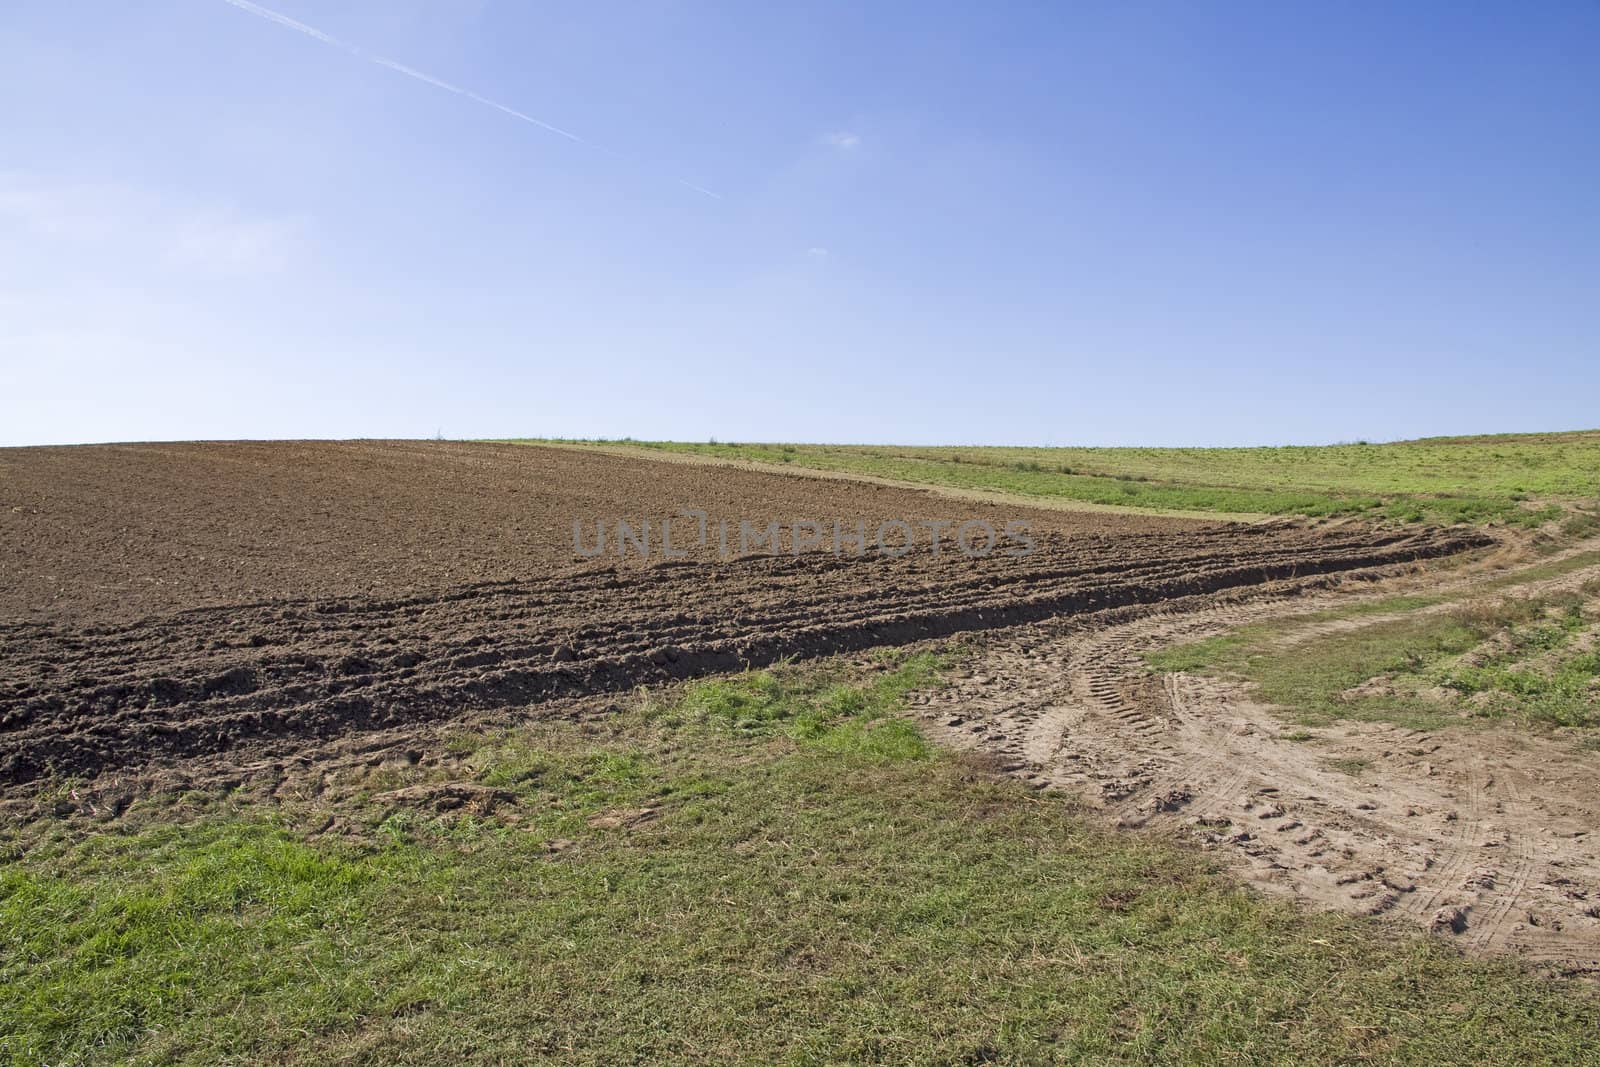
column 186, row 600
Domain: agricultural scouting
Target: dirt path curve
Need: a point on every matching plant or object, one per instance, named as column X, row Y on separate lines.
column 1484, row 835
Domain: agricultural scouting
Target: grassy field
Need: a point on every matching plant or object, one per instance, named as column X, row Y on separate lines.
column 1524, row 661
column 1519, row 479
column 766, row 868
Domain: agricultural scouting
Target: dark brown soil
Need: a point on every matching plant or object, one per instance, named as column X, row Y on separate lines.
column 181, row 600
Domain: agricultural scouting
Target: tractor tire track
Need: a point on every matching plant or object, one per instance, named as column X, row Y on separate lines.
column 1448, row 830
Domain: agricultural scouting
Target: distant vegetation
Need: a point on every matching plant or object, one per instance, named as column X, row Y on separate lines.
column 1526, row 479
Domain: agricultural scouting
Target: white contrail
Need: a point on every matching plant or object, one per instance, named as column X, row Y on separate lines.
column 284, row 20
column 428, row 79
column 408, row 72
column 514, row 113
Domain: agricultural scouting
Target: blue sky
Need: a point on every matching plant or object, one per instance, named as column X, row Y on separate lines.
column 1214, row 223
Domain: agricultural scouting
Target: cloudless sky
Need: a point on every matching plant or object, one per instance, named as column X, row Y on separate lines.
column 1043, row 223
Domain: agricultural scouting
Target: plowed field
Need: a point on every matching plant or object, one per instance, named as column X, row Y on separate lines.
column 179, row 600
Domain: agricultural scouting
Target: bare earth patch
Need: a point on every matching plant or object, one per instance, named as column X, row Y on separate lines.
column 1482, row 833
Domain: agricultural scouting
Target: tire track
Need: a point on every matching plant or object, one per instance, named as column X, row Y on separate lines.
column 1447, row 830
column 1491, row 932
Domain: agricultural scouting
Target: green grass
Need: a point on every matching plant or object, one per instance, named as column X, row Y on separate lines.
column 1523, row 480
column 1310, row 679
column 1534, row 676
column 772, row 868
column 1425, row 663
column 110, row 941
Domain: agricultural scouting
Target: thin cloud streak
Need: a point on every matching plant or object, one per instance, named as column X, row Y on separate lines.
column 428, row 79
column 401, row 68
column 698, row 189
column 285, row 20
column 514, row 113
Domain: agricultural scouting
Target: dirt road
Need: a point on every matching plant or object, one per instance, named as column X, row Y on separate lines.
column 1484, row 835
